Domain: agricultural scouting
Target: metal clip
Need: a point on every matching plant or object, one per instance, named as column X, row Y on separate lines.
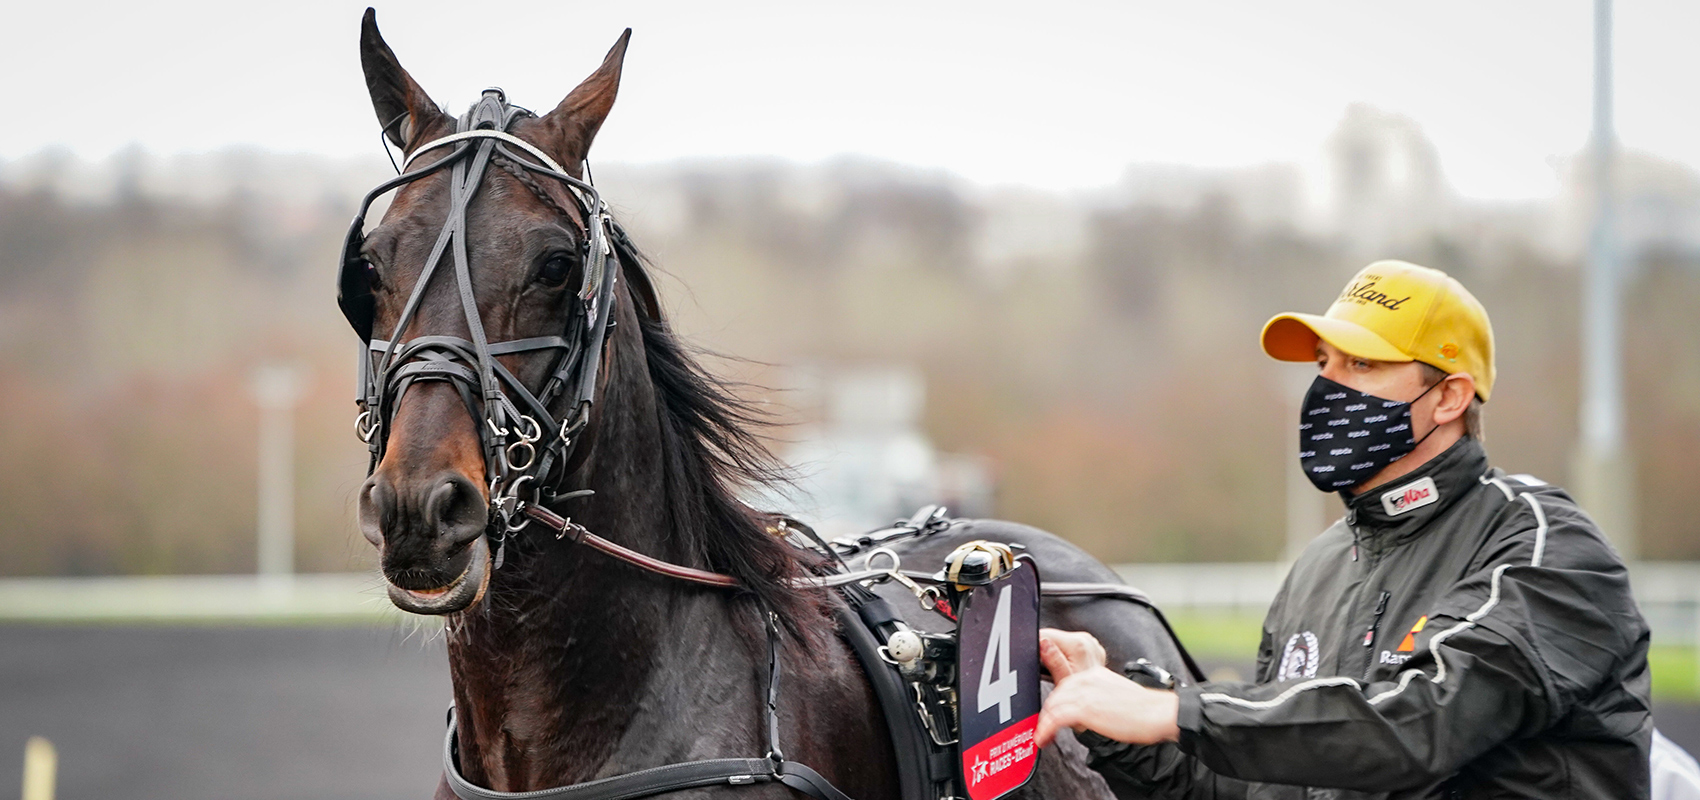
column 510, row 507
column 895, row 572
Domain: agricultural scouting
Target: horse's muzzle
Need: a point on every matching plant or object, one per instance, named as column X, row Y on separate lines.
column 462, row 592
column 435, row 556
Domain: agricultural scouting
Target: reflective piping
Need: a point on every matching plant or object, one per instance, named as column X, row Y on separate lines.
column 1540, row 529
column 1499, row 483
column 1433, row 644
column 485, row 133
column 1218, row 697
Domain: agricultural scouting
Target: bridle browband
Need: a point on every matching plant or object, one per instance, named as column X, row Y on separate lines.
column 526, row 450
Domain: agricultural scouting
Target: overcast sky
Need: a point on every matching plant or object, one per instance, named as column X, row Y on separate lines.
column 1055, row 94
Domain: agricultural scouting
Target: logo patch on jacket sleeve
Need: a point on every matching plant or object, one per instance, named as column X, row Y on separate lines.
column 1299, row 659
column 1410, row 641
column 1413, row 495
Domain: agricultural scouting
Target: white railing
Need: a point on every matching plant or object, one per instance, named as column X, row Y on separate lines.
column 345, row 595
column 1668, row 591
column 1669, row 594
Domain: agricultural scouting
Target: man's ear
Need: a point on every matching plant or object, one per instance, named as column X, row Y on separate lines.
column 1456, row 391
column 403, row 107
column 573, row 123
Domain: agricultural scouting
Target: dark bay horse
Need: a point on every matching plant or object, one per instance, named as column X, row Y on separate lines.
column 568, row 665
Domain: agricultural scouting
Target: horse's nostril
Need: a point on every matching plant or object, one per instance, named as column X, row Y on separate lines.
column 377, row 502
column 458, row 508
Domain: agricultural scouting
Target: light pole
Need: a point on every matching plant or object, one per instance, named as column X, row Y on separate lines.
column 276, row 388
column 1604, row 472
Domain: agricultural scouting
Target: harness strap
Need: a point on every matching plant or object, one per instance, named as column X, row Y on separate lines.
column 578, row 533
column 643, row 783
column 658, row 780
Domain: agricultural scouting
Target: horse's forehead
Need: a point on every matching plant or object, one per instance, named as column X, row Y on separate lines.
column 421, row 208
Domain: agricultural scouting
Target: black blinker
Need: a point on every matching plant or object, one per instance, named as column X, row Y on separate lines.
column 354, row 285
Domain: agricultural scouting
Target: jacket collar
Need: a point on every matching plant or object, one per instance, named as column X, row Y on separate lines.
column 1394, row 512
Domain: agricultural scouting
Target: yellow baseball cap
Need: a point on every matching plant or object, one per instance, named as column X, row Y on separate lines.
column 1395, row 311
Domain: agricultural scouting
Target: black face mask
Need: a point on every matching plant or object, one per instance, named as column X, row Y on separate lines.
column 1346, row 436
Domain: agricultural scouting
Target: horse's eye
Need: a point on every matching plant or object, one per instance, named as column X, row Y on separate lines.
column 374, row 279
column 555, row 270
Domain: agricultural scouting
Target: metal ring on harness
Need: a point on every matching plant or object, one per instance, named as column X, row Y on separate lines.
column 365, row 427
column 521, row 446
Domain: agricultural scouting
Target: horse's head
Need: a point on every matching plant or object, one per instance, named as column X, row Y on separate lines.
column 492, row 248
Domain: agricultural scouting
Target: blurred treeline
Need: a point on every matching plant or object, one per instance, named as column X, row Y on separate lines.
column 1100, row 348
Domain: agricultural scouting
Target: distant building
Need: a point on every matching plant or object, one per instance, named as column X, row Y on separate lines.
column 867, row 463
column 1387, row 189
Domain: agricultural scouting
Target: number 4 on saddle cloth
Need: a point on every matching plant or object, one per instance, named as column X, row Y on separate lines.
column 998, row 677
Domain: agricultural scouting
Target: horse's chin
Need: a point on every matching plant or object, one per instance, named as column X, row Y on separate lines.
column 457, row 595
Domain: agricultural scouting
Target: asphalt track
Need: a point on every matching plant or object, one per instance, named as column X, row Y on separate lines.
column 345, row 712
column 225, row 713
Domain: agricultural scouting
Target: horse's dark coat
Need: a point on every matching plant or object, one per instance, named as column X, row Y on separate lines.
column 572, row 665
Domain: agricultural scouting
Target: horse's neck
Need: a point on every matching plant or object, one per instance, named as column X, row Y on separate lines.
column 562, row 691
column 575, row 664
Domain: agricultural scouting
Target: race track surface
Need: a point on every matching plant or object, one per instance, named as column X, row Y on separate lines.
column 225, row 713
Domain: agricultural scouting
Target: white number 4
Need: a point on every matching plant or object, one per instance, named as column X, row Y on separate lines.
column 998, row 692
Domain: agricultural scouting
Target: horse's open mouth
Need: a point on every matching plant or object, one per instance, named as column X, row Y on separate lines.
column 466, row 589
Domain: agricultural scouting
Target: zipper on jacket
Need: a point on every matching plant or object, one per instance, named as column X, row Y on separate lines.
column 1369, row 635
column 1352, row 522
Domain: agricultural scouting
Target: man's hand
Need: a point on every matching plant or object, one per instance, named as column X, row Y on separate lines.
column 1090, row 697
column 1078, row 652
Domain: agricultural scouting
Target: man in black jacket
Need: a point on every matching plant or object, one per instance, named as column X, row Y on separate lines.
column 1459, row 633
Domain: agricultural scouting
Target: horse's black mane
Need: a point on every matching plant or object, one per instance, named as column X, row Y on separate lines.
column 711, row 451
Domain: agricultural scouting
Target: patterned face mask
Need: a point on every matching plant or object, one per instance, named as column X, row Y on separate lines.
column 1346, row 436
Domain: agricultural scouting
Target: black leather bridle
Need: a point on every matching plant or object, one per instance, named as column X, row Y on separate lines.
column 526, row 450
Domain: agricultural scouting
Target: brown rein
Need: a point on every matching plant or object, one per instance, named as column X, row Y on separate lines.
column 565, row 528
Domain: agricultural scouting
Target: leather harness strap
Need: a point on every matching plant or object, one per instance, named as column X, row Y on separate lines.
column 568, row 529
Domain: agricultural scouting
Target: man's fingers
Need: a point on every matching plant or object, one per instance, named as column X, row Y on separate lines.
column 1081, row 649
column 1062, row 710
column 1046, row 731
column 1054, row 660
column 1052, row 720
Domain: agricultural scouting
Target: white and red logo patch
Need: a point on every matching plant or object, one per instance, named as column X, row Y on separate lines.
column 1413, row 495
column 1300, row 657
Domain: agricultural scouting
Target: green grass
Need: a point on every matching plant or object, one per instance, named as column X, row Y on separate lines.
column 1219, row 634
column 1229, row 635
column 1676, row 673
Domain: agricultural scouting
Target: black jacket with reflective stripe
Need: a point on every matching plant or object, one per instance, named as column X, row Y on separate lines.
column 1462, row 634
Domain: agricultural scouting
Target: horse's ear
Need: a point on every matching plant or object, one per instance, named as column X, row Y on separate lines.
column 575, row 121
column 403, row 107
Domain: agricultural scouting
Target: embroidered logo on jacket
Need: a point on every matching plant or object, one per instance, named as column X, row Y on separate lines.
column 1410, row 641
column 1402, row 653
column 1413, row 495
column 1300, row 657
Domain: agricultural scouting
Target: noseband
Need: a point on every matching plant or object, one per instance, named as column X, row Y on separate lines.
column 526, row 450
